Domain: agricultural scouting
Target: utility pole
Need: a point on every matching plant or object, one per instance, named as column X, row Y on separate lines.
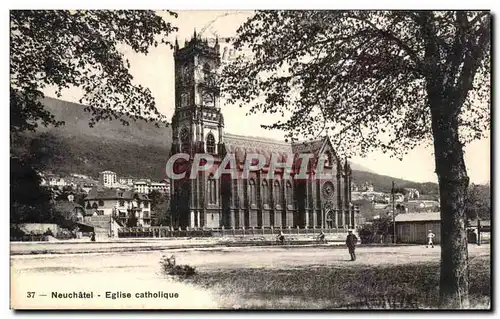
column 478, row 230
column 393, row 215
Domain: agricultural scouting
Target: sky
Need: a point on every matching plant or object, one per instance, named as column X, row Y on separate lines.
column 156, row 71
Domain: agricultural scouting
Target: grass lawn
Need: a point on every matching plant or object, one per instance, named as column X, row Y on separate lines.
column 348, row 285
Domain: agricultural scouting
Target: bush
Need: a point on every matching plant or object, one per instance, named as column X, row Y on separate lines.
column 170, row 268
column 48, row 232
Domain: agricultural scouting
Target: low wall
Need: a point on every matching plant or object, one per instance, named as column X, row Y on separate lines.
column 159, row 232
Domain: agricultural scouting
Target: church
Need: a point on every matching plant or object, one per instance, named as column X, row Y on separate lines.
column 204, row 201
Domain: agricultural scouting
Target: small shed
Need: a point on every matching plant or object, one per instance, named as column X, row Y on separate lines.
column 413, row 228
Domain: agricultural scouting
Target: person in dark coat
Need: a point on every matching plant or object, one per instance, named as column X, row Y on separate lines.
column 351, row 242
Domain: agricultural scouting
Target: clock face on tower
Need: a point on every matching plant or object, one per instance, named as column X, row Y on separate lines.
column 208, row 99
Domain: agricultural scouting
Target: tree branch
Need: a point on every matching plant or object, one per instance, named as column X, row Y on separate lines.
column 389, row 36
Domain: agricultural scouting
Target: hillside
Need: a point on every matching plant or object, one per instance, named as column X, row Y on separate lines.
column 140, row 149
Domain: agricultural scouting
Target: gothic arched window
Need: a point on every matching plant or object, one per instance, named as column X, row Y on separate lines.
column 289, row 193
column 185, row 145
column 277, row 193
column 210, row 143
column 212, row 190
column 184, row 99
column 253, row 192
column 328, row 158
column 265, row 193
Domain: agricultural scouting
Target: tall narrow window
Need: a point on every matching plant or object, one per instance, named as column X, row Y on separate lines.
column 277, row 193
column 265, row 193
column 253, row 193
column 210, row 144
column 289, row 193
column 185, row 145
column 328, row 158
column 212, row 190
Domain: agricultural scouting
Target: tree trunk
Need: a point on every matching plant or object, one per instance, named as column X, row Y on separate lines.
column 453, row 183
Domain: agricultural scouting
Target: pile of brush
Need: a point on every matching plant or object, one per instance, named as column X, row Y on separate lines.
column 170, row 268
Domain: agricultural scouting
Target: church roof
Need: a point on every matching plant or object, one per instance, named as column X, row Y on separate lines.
column 241, row 145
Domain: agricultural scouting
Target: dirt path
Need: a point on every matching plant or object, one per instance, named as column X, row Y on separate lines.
column 137, row 272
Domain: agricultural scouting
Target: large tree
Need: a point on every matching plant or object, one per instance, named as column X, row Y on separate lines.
column 80, row 49
column 387, row 80
column 59, row 49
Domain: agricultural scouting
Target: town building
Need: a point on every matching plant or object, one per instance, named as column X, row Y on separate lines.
column 70, row 210
column 53, row 181
column 421, row 206
column 107, row 179
column 256, row 201
column 121, row 204
column 412, row 193
column 127, row 181
column 162, row 187
column 367, row 187
column 141, row 187
column 354, row 187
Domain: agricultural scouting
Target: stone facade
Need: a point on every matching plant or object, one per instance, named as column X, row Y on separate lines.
column 257, row 201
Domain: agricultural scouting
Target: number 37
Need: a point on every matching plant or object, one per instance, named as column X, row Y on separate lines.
column 31, row 294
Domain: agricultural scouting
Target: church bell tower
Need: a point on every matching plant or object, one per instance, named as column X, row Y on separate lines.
column 197, row 123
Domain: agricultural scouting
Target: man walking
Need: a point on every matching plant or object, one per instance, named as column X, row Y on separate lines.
column 430, row 241
column 351, row 242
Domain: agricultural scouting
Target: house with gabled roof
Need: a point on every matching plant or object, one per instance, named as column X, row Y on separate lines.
column 122, row 204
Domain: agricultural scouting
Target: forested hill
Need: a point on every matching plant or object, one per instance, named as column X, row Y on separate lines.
column 139, row 150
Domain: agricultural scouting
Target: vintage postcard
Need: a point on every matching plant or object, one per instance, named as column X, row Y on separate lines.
column 308, row 159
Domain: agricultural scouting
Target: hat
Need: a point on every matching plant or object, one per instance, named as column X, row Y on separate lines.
column 430, row 230
column 350, row 230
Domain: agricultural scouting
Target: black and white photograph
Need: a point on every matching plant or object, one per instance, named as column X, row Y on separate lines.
column 242, row 160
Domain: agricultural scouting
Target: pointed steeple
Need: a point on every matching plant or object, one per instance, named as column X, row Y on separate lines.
column 194, row 35
column 176, row 46
column 217, row 47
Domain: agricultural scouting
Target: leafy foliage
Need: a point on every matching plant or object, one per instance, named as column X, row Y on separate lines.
column 387, row 80
column 80, row 48
column 160, row 205
column 29, row 202
column 61, row 49
column 478, row 202
column 381, row 227
column 363, row 76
